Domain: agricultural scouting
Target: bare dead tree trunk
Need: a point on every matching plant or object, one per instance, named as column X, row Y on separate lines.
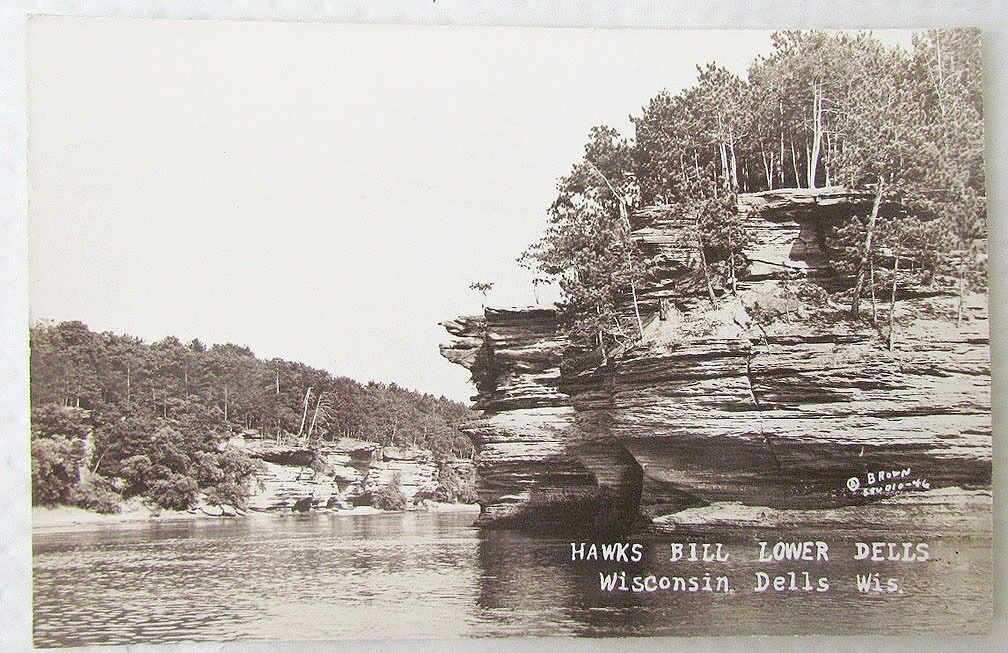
column 703, row 263
column 780, row 163
column 624, row 213
column 816, row 146
column 827, row 158
column 731, row 264
column 94, row 470
column 874, row 310
column 625, row 216
column 794, row 164
column 311, row 428
column 962, row 289
column 304, row 413
column 892, row 299
column 767, row 167
column 601, row 337
column 734, row 160
column 725, row 175
column 862, row 267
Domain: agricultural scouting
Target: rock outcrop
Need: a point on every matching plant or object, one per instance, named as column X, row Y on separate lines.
column 336, row 475
column 712, row 409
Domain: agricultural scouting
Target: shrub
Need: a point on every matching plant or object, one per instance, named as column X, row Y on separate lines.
column 230, row 492
column 812, row 293
column 55, row 471
column 390, row 496
column 467, row 495
column 227, row 478
column 136, row 471
column 97, row 495
column 453, row 487
column 49, row 420
column 174, row 492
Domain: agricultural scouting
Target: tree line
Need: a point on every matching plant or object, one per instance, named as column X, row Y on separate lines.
column 904, row 127
column 158, row 416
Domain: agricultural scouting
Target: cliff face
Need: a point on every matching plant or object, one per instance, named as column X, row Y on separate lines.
column 341, row 474
column 712, row 409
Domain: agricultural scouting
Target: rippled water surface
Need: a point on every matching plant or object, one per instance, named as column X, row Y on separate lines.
column 433, row 575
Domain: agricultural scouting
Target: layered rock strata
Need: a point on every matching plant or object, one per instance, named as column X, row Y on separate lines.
column 711, row 409
column 337, row 475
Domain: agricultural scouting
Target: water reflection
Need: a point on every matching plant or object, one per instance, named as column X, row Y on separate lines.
column 289, row 577
column 430, row 575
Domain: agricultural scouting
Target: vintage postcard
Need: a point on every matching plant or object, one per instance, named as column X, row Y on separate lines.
column 505, row 332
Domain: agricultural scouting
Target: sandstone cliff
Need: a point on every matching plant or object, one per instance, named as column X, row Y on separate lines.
column 713, row 409
column 338, row 475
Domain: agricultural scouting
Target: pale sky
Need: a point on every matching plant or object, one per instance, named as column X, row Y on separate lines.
column 319, row 192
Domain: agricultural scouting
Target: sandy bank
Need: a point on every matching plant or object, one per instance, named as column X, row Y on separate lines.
column 70, row 517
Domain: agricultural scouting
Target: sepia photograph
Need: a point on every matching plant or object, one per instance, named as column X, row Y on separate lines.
column 356, row 331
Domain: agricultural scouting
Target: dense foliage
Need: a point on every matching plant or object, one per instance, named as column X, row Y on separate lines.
column 390, row 495
column 111, row 412
column 822, row 109
column 453, row 487
column 587, row 246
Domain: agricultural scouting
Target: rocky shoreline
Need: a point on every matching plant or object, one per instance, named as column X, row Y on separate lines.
column 70, row 518
column 340, row 474
column 338, row 477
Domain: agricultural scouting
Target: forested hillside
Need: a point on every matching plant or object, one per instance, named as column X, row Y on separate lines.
column 112, row 415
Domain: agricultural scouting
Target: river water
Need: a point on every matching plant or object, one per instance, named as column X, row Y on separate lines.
column 323, row 576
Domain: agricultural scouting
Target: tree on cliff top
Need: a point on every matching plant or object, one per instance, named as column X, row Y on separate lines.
column 822, row 108
column 948, row 65
column 482, row 287
column 587, row 246
column 914, row 134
